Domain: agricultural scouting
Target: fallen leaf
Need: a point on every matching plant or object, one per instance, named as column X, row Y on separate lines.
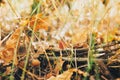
column 7, row 54
column 62, row 44
column 35, row 62
column 58, row 67
column 80, row 36
column 64, row 76
column 38, row 22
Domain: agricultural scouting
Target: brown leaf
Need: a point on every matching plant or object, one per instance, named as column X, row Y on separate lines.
column 38, row 22
column 7, row 54
column 64, row 76
column 79, row 37
column 62, row 44
column 58, row 66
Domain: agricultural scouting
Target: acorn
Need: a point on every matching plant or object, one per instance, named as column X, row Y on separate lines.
column 35, row 62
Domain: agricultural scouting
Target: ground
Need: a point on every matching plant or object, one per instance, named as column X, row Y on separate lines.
column 60, row 40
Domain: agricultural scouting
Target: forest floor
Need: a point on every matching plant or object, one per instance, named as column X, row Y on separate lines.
column 59, row 39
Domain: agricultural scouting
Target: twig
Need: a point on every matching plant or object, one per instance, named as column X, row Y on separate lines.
column 104, row 69
column 6, row 37
column 77, row 59
column 84, row 51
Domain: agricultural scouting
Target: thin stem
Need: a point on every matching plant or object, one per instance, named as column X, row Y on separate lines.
column 31, row 40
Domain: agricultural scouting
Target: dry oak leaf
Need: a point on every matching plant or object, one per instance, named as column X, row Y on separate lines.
column 7, row 54
column 64, row 76
column 80, row 35
column 59, row 64
column 12, row 41
column 39, row 22
column 62, row 44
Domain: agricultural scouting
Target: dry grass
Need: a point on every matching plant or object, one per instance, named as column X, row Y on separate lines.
column 29, row 28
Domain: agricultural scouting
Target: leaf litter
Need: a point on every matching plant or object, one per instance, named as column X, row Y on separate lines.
column 55, row 34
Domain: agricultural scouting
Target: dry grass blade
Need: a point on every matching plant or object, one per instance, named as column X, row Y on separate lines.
column 58, row 38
